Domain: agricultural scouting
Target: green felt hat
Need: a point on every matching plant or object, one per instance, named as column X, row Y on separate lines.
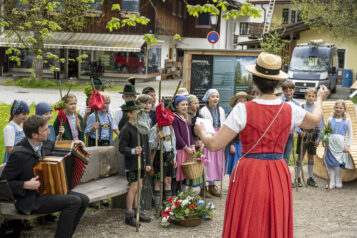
column 166, row 102
column 129, row 89
column 131, row 105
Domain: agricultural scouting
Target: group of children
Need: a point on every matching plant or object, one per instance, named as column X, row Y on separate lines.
column 179, row 141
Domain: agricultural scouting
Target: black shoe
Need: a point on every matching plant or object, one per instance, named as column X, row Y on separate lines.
column 299, row 182
column 311, row 182
column 293, row 185
column 26, row 225
column 104, row 203
column 144, row 218
column 93, row 205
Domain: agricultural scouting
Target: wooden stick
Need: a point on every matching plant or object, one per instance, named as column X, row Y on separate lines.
column 138, row 187
column 60, row 86
column 160, row 100
column 96, row 130
column 302, row 155
column 328, row 172
column 222, row 175
column 204, row 182
column 295, row 168
column 177, row 88
column 161, row 174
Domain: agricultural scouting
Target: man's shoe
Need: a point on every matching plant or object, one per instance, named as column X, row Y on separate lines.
column 104, row 203
column 94, row 205
column 311, row 182
column 293, row 185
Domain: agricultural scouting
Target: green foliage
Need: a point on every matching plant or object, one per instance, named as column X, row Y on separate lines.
column 177, row 37
column 272, row 42
column 150, row 39
column 187, row 205
column 338, row 17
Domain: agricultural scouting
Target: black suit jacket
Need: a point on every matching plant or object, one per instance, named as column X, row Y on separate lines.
column 128, row 139
column 19, row 169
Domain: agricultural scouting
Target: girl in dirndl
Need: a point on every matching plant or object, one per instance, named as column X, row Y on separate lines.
column 337, row 155
column 215, row 160
column 185, row 145
column 13, row 132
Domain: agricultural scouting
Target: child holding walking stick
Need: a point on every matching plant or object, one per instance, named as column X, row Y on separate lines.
column 128, row 145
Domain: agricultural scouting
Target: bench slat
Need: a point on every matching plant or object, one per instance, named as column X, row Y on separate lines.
column 8, row 211
column 103, row 188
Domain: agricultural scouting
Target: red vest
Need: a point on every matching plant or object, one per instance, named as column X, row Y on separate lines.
column 259, row 118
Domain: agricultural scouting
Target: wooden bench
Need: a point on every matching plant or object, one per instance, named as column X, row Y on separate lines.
column 319, row 169
column 100, row 181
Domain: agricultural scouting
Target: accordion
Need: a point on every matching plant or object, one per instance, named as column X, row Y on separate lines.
column 63, row 169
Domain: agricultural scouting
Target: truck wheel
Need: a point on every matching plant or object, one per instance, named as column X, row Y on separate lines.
column 334, row 89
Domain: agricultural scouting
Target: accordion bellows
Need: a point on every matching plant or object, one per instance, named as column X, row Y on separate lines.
column 62, row 172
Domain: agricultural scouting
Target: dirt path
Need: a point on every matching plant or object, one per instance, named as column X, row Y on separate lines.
column 317, row 213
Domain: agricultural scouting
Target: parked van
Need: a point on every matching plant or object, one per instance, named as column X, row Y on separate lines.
column 313, row 64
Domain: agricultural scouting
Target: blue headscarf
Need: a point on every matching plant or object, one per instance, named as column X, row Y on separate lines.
column 19, row 107
column 178, row 99
column 208, row 93
column 42, row 108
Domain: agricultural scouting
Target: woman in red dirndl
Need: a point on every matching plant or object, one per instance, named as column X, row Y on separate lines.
column 259, row 200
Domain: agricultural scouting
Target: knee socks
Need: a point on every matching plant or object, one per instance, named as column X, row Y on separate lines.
column 332, row 175
column 337, row 171
column 157, row 197
column 310, row 167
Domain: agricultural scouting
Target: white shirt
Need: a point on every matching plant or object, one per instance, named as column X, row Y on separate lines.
column 118, row 115
column 237, row 119
column 9, row 134
column 205, row 113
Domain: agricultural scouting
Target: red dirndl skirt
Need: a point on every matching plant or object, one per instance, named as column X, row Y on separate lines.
column 259, row 202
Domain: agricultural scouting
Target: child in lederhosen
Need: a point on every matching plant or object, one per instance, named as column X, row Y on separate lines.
column 311, row 139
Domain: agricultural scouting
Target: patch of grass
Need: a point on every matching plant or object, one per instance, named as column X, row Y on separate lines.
column 51, row 84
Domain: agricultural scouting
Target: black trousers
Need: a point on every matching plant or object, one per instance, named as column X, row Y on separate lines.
column 72, row 207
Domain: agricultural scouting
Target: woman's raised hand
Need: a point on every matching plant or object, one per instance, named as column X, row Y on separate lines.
column 323, row 92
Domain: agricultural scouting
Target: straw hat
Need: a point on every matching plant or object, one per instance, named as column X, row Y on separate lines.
column 233, row 100
column 267, row 66
column 182, row 91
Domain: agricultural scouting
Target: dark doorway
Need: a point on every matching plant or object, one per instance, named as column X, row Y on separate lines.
column 73, row 65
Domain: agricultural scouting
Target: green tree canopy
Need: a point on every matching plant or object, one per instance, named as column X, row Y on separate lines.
column 339, row 17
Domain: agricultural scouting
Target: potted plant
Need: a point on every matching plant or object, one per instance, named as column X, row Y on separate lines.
column 187, row 209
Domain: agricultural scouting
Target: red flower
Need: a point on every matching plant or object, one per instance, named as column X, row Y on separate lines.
column 177, row 203
column 192, row 206
column 170, row 199
column 166, row 213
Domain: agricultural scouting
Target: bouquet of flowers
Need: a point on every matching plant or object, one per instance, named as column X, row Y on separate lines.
column 188, row 205
column 326, row 132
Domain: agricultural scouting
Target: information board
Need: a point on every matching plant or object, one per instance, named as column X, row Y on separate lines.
column 223, row 79
column 201, row 75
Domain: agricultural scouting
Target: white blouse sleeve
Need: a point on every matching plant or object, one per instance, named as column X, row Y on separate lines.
column 237, row 119
column 222, row 114
column 297, row 114
column 9, row 136
column 350, row 132
column 117, row 116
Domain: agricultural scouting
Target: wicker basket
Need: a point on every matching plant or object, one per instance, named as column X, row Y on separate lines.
column 192, row 169
column 188, row 222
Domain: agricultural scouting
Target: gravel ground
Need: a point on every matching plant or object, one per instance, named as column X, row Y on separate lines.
column 317, row 213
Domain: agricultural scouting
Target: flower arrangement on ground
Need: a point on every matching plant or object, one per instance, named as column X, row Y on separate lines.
column 188, row 205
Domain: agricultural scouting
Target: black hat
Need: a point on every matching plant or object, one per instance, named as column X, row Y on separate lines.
column 129, row 89
column 131, row 105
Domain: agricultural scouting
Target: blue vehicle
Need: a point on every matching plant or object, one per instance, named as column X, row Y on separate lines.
column 313, row 64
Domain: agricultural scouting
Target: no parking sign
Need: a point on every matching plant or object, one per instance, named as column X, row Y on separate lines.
column 213, row 37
